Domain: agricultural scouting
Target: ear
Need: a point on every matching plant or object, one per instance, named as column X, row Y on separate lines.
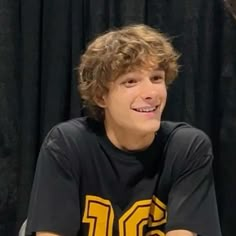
column 100, row 100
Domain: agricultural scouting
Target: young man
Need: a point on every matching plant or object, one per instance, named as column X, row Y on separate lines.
column 121, row 171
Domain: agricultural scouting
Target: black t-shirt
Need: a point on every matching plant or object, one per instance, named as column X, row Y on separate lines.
column 84, row 185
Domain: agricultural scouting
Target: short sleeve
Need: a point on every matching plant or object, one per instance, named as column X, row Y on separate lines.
column 192, row 202
column 54, row 204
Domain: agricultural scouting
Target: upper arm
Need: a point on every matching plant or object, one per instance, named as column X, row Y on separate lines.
column 180, row 233
column 55, row 192
column 191, row 199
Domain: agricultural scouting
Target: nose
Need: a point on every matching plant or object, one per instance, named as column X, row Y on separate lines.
column 149, row 90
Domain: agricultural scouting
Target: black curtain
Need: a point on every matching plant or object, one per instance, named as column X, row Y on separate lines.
column 40, row 45
column 9, row 114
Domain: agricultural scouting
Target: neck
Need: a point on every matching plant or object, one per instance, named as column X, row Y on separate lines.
column 128, row 140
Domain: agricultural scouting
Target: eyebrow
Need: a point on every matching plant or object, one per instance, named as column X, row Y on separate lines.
column 158, row 69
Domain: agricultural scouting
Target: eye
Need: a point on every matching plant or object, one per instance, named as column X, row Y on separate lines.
column 157, row 78
column 130, row 83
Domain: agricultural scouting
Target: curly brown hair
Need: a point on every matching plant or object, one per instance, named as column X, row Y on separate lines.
column 118, row 52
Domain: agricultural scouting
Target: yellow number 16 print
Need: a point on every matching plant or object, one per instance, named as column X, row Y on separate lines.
column 100, row 216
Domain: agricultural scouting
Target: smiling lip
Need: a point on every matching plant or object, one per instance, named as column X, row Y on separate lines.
column 146, row 109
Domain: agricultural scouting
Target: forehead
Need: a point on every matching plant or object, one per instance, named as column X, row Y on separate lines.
column 141, row 71
column 146, row 64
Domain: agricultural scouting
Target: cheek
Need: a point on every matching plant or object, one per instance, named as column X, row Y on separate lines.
column 118, row 102
column 163, row 97
column 124, row 97
column 163, row 92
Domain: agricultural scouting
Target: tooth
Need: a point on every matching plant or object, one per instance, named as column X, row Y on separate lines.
column 146, row 109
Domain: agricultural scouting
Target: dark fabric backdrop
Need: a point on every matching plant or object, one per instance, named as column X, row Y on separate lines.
column 9, row 114
column 40, row 45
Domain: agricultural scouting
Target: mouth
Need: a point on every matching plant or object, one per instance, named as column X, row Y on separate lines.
column 146, row 109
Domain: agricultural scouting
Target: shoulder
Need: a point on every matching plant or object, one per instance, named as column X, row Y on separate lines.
column 181, row 134
column 186, row 144
column 71, row 127
column 187, row 149
column 70, row 134
column 67, row 144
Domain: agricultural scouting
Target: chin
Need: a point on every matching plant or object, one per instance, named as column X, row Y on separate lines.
column 150, row 127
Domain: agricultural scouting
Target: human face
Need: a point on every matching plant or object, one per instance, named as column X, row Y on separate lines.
column 135, row 102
